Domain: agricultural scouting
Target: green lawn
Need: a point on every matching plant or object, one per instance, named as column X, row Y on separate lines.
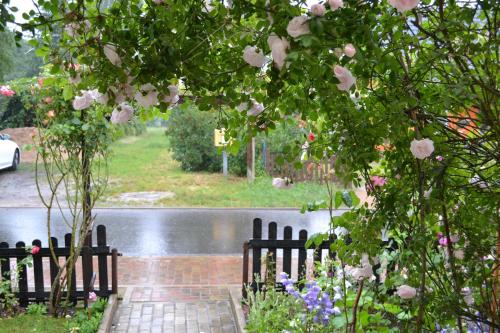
column 33, row 324
column 144, row 163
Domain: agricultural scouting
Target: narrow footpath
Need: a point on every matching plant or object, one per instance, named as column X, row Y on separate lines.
column 177, row 294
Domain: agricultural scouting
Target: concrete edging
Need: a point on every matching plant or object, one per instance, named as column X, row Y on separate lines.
column 235, row 298
column 109, row 313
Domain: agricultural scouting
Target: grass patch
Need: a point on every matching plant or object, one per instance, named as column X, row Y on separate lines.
column 145, row 164
column 33, row 324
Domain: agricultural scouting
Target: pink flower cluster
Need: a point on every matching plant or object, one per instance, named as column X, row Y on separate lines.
column 443, row 240
column 6, row 91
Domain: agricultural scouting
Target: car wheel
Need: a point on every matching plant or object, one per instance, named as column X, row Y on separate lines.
column 15, row 161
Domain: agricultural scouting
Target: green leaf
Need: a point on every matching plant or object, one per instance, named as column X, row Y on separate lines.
column 338, row 199
column 346, row 198
column 67, row 93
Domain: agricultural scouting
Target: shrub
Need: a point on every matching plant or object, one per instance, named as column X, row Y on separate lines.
column 191, row 135
column 36, row 309
column 18, row 110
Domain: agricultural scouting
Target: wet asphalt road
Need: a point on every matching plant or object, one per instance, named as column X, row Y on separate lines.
column 160, row 232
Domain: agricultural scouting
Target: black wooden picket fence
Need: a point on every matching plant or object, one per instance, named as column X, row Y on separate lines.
column 272, row 244
column 287, row 244
column 41, row 292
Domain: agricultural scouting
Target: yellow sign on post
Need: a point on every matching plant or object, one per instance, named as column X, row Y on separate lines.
column 219, row 140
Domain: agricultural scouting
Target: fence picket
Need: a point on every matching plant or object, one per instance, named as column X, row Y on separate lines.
column 257, row 253
column 67, row 244
column 272, row 235
column 5, row 265
column 23, row 276
column 38, row 272
column 287, row 253
column 54, row 266
column 302, row 256
column 102, row 259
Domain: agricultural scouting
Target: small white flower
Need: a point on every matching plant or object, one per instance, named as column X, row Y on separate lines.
column 318, row 9
column 298, row 26
column 422, row 149
column 340, row 231
column 253, row 57
column 335, row 4
column 282, row 183
column 406, row 292
column 112, row 55
column 122, row 113
column 363, row 272
column 173, row 96
column 82, row 102
column 476, row 180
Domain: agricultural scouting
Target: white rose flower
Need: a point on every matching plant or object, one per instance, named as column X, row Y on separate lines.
column 347, row 80
column 406, row 292
column 363, row 272
column 278, row 48
column 122, row 113
column 82, row 102
column 318, row 9
column 422, row 149
column 75, row 80
column 242, row 107
column 112, row 55
column 282, row 183
column 340, row 231
column 427, row 194
column 173, row 96
column 298, row 26
column 335, row 4
column 349, row 50
column 147, row 95
column 404, row 5
column 256, row 109
column 253, row 57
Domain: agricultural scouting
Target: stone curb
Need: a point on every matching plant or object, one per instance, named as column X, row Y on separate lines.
column 235, row 298
column 109, row 313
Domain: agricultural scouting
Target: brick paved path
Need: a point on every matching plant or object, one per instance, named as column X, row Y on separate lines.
column 176, row 294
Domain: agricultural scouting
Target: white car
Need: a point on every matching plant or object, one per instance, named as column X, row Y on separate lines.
column 10, row 154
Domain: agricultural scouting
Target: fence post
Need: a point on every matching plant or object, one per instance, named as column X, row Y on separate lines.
column 67, row 243
column 114, row 271
column 245, row 270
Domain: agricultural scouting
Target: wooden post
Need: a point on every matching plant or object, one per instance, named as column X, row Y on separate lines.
column 102, row 259
column 287, row 253
column 114, row 271
column 245, row 270
column 251, row 160
column 23, row 277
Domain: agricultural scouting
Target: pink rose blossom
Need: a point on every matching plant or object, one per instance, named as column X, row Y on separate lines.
column 92, row 296
column 35, row 250
column 311, row 137
column 51, row 114
column 122, row 114
column 82, row 102
column 439, row 158
column 318, row 9
column 349, row 50
column 422, row 149
column 404, row 5
column 347, row 80
column 253, row 57
column 335, row 4
column 378, row 181
column 112, row 55
column 406, row 292
column 6, row 91
column 298, row 26
column 278, row 46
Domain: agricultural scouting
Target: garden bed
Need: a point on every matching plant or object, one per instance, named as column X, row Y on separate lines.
column 34, row 319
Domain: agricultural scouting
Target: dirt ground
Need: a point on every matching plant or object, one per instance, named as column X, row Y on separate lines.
column 23, row 137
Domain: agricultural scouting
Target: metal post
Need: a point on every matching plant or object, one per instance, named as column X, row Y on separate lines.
column 251, row 160
column 224, row 162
